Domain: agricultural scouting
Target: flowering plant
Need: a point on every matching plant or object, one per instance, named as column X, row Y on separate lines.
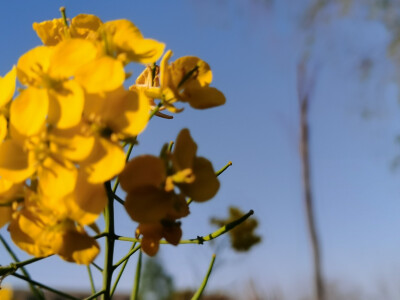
column 67, row 136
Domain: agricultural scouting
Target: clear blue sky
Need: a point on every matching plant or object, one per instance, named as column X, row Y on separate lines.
column 253, row 51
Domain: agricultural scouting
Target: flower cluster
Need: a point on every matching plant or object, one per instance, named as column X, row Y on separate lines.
column 62, row 137
column 152, row 183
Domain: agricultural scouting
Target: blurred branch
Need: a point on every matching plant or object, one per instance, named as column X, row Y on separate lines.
column 304, row 94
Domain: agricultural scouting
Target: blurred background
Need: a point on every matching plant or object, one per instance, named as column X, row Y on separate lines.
column 344, row 57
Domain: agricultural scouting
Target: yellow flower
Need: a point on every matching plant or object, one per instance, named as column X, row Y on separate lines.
column 187, row 80
column 54, row 31
column 42, row 232
column 125, row 41
column 147, row 199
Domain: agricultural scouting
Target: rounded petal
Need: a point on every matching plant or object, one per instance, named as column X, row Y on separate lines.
column 106, row 161
column 148, row 204
column 145, row 51
column 50, row 32
column 66, row 105
column 57, row 179
column 129, row 114
column 145, row 170
column 101, row 75
column 205, row 185
column 85, row 25
column 70, row 55
column 87, row 201
column 77, row 247
column 183, row 66
column 27, row 235
column 184, row 151
column 15, row 165
column 205, row 97
column 33, row 64
column 71, row 144
column 28, row 111
column 7, row 86
column 152, row 234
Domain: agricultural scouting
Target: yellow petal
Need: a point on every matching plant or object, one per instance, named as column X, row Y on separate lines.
column 148, row 204
column 66, row 105
column 85, row 25
column 3, row 128
column 33, row 64
column 77, row 247
column 14, row 163
column 144, row 170
column 70, row 55
column 205, row 97
column 128, row 115
column 145, row 51
column 106, row 161
column 101, row 75
column 50, row 32
column 205, row 185
column 184, row 151
column 127, row 40
column 71, row 144
column 24, row 231
column 7, row 86
column 28, row 111
column 87, row 201
column 5, row 215
column 181, row 68
column 57, row 179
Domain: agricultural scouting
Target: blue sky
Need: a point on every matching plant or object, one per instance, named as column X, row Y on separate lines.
column 253, row 51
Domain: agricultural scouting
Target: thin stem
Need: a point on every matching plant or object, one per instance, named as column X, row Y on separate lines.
column 97, row 267
column 135, row 290
column 155, row 110
column 121, row 271
column 34, row 290
column 197, row 295
column 45, row 287
column 109, row 243
column 219, row 172
column 201, row 239
column 127, row 239
column 93, row 289
column 94, row 295
column 126, row 257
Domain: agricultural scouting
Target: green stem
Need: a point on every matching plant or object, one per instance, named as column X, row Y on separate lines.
column 126, row 257
column 155, row 110
column 120, row 272
column 135, row 290
column 92, row 288
column 66, row 296
column 205, row 280
column 97, row 267
column 201, row 239
column 109, row 243
column 219, row 172
column 34, row 290
column 94, row 295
